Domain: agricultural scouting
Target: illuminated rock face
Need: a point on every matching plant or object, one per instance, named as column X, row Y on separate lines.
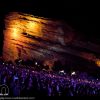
column 29, row 37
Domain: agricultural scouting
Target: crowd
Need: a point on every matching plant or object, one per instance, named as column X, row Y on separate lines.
column 26, row 82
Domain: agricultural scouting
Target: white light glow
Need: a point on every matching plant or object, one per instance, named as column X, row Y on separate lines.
column 73, row 73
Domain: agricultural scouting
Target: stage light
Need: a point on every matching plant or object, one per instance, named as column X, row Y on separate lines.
column 62, row 71
column 73, row 73
column 36, row 63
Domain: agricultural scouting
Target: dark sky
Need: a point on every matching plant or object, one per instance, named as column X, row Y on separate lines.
column 82, row 16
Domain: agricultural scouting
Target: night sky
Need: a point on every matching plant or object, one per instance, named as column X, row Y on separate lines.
column 82, row 16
